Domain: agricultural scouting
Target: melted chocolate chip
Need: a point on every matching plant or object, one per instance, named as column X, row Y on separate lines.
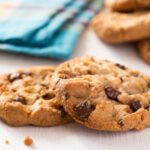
column 112, row 93
column 121, row 66
column 135, row 105
column 21, row 99
column 63, row 112
column 83, row 110
column 14, row 76
column 48, row 96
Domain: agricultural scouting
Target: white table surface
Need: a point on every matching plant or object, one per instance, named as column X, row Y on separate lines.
column 74, row 136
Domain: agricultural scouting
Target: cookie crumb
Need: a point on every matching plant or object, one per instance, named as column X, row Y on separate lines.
column 28, row 141
column 7, row 142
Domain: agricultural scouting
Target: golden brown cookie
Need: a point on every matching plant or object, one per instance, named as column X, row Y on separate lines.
column 127, row 5
column 115, row 27
column 144, row 49
column 27, row 98
column 103, row 95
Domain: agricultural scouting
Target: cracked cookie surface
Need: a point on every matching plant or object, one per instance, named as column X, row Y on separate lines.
column 103, row 95
column 144, row 50
column 127, row 5
column 27, row 98
column 125, row 27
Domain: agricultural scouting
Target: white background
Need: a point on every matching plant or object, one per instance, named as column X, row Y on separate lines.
column 74, row 136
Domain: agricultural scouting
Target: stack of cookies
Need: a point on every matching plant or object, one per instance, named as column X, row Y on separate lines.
column 125, row 21
column 98, row 94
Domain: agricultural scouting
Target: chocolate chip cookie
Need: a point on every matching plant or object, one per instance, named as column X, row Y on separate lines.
column 115, row 27
column 103, row 95
column 27, row 98
column 144, row 49
column 127, row 5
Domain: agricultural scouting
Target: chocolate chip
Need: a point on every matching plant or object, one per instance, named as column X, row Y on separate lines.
column 21, row 99
column 48, row 96
column 43, row 85
column 149, row 84
column 147, row 107
column 121, row 79
column 135, row 105
column 89, row 72
column 83, row 110
column 121, row 66
column 112, row 93
column 120, row 122
column 63, row 112
column 14, row 76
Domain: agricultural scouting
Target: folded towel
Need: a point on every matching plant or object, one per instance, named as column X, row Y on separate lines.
column 48, row 28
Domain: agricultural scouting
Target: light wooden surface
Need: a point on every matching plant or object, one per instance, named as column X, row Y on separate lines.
column 74, row 136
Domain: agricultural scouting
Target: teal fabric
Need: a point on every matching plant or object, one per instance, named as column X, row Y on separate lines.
column 45, row 28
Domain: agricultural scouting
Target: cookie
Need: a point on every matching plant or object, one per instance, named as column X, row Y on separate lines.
column 27, row 98
column 127, row 5
column 104, row 96
column 144, row 49
column 122, row 27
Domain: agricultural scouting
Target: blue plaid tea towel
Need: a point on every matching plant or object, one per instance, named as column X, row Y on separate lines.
column 48, row 28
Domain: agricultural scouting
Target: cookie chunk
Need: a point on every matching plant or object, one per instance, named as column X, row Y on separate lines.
column 122, row 27
column 103, row 95
column 27, row 98
column 144, row 49
column 127, row 5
